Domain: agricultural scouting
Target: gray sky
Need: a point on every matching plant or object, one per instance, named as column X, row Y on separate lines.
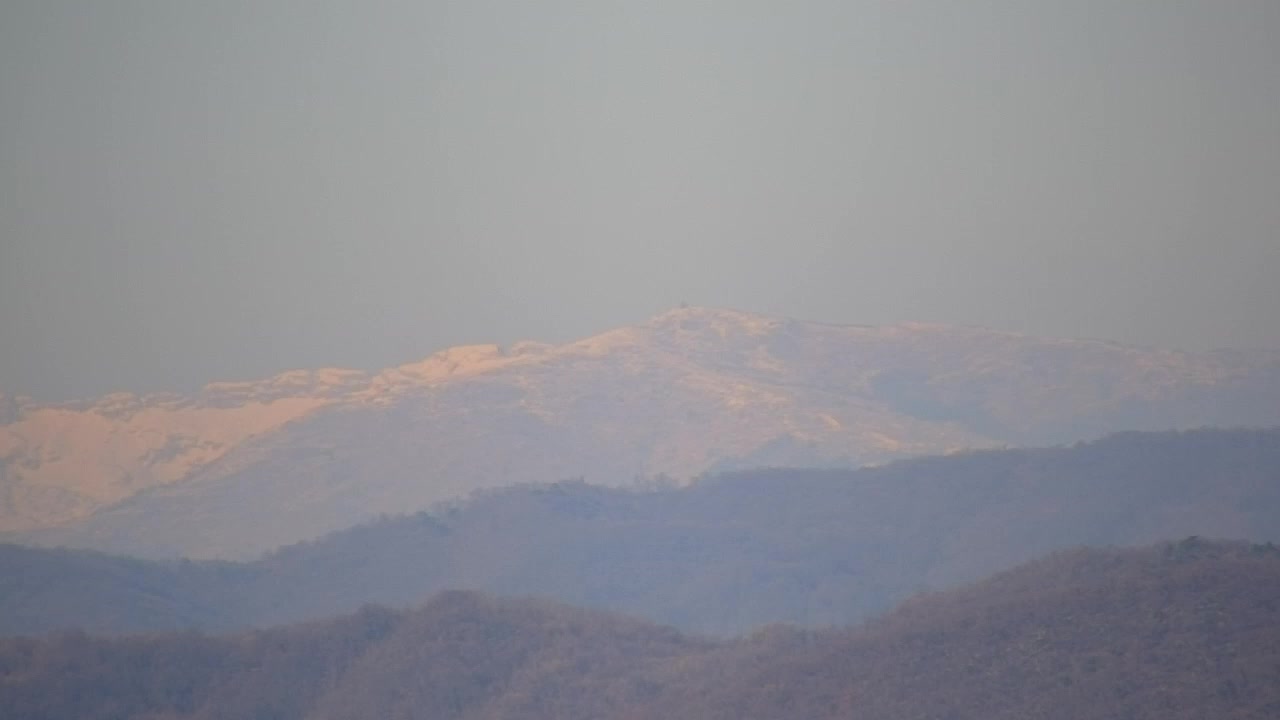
column 193, row 191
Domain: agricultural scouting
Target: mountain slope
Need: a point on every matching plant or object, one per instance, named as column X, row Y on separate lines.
column 727, row 554
column 246, row 467
column 1182, row 630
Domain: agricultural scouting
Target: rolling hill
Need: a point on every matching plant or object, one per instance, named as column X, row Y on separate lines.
column 1184, row 630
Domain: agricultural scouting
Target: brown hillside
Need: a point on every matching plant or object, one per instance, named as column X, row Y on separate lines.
column 1182, row 630
column 1185, row 630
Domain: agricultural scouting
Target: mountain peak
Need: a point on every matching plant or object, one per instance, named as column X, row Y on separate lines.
column 694, row 318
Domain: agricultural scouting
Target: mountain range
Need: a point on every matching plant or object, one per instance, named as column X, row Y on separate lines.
column 1178, row 631
column 724, row 555
column 241, row 468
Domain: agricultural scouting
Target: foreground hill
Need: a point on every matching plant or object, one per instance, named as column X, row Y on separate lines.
column 1185, row 630
column 727, row 554
column 241, row 468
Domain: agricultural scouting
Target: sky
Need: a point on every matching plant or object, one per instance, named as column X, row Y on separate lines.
column 199, row 191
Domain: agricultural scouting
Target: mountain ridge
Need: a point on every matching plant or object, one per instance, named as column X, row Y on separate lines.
column 1176, row 631
column 728, row 553
column 690, row 391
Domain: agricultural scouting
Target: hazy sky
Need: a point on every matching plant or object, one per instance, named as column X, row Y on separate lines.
column 192, row 191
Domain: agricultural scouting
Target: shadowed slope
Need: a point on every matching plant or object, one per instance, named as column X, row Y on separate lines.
column 722, row 556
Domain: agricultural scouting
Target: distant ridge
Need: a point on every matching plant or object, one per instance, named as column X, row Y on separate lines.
column 723, row 556
column 241, row 468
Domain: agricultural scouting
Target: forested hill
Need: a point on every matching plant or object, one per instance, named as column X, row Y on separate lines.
column 1179, row 631
column 724, row 556
column 1183, row 631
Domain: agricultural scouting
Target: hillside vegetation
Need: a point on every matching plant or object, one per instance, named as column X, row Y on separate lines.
column 1185, row 630
column 728, row 554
